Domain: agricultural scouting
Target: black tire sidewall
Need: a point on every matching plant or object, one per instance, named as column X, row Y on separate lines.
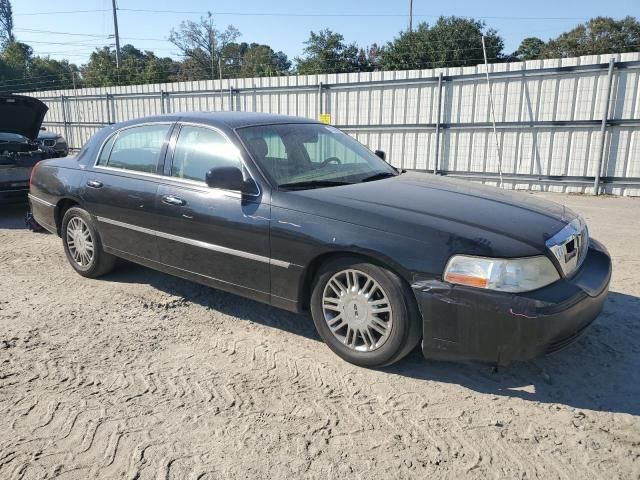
column 93, row 267
column 403, row 315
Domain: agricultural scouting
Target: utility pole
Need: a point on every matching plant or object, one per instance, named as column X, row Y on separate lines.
column 410, row 15
column 115, row 31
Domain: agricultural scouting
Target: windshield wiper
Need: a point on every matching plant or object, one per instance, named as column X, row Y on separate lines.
column 313, row 184
column 379, row 176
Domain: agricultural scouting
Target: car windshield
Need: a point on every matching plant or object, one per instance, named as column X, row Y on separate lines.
column 309, row 155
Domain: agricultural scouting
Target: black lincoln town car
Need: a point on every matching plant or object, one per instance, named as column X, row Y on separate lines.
column 299, row 215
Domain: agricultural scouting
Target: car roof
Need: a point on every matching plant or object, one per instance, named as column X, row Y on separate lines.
column 228, row 119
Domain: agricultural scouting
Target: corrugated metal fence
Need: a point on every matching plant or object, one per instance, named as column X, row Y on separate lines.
column 555, row 122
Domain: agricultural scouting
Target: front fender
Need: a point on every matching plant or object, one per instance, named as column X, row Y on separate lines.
column 298, row 239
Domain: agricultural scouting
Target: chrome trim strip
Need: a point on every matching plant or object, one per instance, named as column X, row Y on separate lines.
column 39, row 200
column 199, row 243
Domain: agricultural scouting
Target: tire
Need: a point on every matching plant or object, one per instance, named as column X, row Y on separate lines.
column 370, row 347
column 95, row 261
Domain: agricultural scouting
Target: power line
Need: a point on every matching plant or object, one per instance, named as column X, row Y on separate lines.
column 31, row 30
column 58, row 12
column 292, row 14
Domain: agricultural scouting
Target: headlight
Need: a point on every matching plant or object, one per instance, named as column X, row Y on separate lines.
column 503, row 274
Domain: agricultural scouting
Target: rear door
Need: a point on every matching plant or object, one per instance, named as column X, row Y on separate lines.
column 120, row 190
column 221, row 236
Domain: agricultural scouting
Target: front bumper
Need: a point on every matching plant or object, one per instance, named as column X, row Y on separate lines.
column 463, row 323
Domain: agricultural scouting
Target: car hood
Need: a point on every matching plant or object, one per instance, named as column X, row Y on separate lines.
column 476, row 218
column 21, row 115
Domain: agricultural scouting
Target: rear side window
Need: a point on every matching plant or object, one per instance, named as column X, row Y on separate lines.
column 200, row 149
column 136, row 148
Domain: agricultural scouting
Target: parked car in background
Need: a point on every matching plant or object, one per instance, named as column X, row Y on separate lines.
column 20, row 121
column 53, row 140
column 299, row 215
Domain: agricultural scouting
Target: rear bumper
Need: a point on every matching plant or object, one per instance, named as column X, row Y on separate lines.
column 462, row 323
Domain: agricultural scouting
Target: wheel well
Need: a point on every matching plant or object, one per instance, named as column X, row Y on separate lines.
column 61, row 208
column 316, row 263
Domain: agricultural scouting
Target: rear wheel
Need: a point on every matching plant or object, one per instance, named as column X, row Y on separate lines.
column 82, row 244
column 364, row 313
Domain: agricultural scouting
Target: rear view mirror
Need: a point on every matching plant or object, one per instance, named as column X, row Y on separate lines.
column 227, row 178
column 381, row 154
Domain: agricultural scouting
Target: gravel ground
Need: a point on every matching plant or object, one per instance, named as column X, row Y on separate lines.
column 142, row 375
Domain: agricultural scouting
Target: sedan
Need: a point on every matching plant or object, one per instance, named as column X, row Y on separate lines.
column 299, row 215
column 54, row 141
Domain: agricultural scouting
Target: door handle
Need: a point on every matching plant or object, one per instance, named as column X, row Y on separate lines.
column 173, row 200
column 94, row 184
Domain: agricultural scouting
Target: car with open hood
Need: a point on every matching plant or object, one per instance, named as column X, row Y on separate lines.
column 299, row 215
column 20, row 121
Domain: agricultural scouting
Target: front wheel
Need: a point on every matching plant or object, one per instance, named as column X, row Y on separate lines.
column 82, row 244
column 364, row 313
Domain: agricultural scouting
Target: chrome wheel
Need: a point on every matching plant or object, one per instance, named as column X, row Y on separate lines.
column 79, row 242
column 357, row 310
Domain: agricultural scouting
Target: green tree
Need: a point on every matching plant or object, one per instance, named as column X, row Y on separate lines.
column 450, row 42
column 22, row 71
column 531, row 48
column 6, row 22
column 203, row 45
column 50, row 74
column 598, row 36
column 254, row 60
column 326, row 52
column 137, row 67
column 17, row 56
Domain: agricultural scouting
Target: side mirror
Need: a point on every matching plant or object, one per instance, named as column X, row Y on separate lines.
column 228, row 178
column 44, row 129
column 381, row 154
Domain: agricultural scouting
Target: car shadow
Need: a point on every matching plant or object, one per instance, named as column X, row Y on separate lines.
column 601, row 371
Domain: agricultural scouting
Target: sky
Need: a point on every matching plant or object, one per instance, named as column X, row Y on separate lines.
column 73, row 28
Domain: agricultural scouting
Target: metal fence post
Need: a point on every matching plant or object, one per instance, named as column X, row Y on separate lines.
column 603, row 127
column 320, row 86
column 107, row 103
column 437, row 157
column 65, row 123
column 231, row 109
column 114, row 110
column 162, row 106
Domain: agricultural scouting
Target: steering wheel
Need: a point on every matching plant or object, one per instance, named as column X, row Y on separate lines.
column 331, row 160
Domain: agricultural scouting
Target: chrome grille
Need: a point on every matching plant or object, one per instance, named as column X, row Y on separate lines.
column 569, row 246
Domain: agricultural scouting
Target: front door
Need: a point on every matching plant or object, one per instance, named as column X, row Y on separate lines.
column 220, row 236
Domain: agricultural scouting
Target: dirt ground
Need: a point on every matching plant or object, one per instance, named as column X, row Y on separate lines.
column 142, row 375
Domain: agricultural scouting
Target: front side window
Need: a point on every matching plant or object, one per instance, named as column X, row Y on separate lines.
column 301, row 155
column 200, row 149
column 136, row 148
